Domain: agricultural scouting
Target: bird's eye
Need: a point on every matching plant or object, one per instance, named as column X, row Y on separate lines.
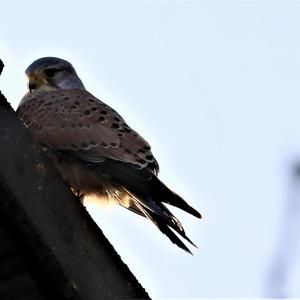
column 50, row 72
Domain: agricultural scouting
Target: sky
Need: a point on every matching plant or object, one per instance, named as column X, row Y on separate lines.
column 214, row 87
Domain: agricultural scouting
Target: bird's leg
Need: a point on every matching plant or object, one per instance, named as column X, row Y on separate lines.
column 78, row 194
column 80, row 197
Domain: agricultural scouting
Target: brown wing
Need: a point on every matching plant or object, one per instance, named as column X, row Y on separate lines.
column 75, row 120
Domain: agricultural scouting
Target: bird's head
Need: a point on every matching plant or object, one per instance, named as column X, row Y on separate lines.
column 50, row 73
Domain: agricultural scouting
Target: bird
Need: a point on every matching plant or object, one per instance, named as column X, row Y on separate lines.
column 93, row 148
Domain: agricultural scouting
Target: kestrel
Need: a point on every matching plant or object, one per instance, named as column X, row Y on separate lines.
column 94, row 149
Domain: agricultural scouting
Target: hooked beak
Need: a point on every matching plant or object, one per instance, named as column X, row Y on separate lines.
column 32, row 85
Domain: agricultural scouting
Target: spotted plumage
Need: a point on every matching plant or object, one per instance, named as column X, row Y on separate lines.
column 74, row 119
column 94, row 149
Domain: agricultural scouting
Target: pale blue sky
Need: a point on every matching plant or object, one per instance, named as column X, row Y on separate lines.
column 214, row 87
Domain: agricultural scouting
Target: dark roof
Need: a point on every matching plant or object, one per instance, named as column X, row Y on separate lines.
column 20, row 276
column 50, row 248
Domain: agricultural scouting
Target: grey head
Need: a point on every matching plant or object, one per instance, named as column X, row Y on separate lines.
column 50, row 73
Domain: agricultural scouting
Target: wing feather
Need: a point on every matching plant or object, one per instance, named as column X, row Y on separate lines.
column 75, row 120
